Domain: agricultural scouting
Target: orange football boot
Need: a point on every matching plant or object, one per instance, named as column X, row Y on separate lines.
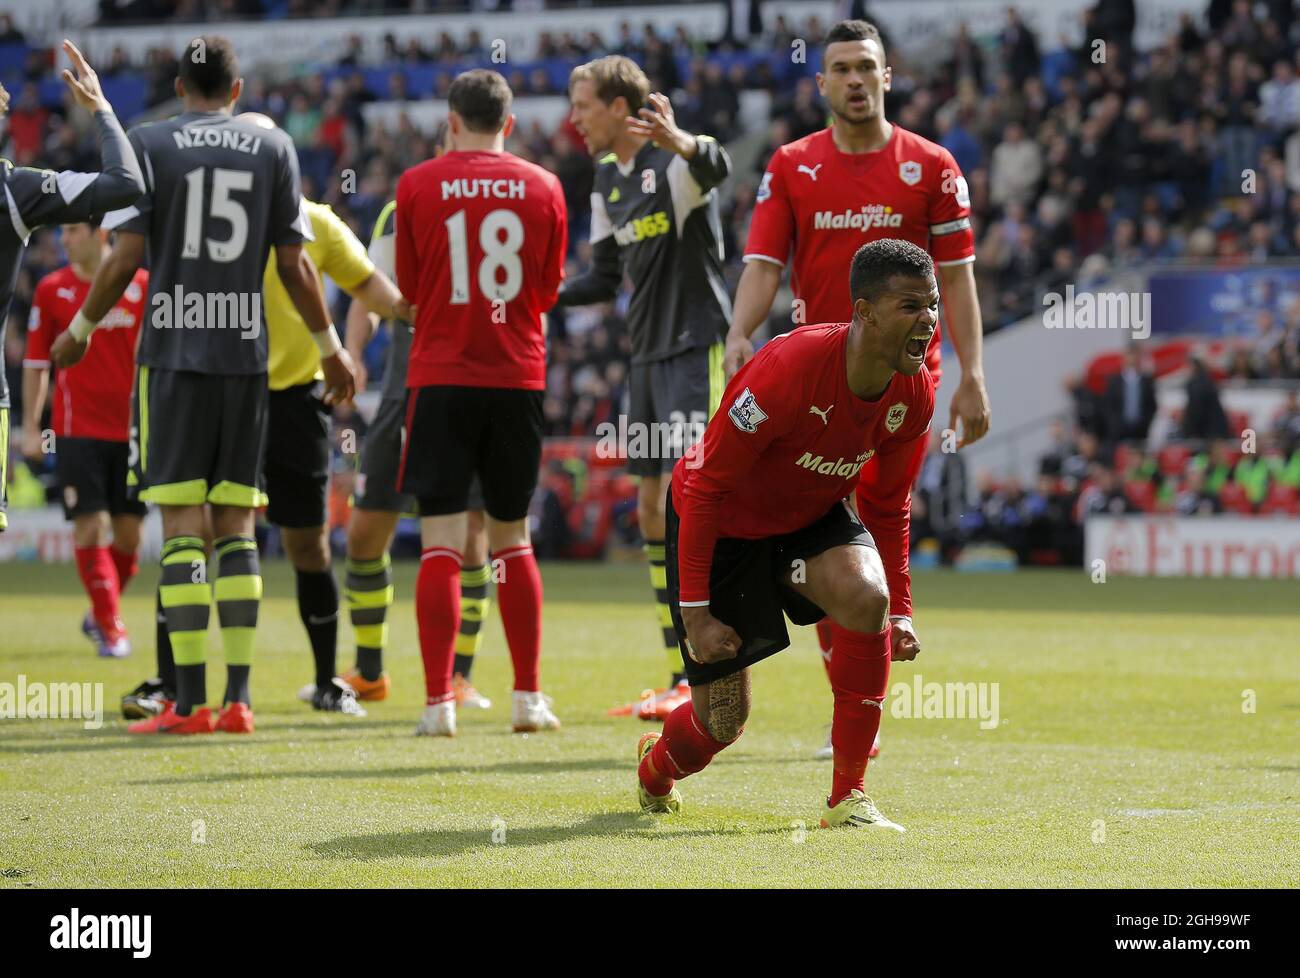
column 367, row 689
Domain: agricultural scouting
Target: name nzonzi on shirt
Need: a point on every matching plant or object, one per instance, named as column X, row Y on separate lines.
column 464, row 188
column 208, row 136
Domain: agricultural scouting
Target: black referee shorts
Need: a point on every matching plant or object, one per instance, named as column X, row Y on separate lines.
column 748, row 590
column 296, row 469
column 456, row 433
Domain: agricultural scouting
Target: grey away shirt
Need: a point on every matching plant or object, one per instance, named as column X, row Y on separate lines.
column 219, row 194
column 656, row 221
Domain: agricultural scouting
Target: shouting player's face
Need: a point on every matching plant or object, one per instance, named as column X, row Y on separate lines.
column 903, row 318
column 854, row 80
column 597, row 122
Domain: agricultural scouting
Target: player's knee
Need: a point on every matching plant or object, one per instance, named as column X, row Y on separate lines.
column 503, row 535
column 90, row 530
column 307, row 551
column 864, row 608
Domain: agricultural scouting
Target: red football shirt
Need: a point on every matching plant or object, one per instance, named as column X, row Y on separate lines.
column 788, row 443
column 480, row 246
column 825, row 205
column 93, row 398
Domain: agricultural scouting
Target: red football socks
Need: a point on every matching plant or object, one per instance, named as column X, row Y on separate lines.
column 824, row 641
column 685, row 748
column 859, row 673
column 99, row 578
column 126, row 565
column 519, row 595
column 437, row 611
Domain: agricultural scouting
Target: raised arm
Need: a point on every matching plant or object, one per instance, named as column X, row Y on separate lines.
column 42, row 197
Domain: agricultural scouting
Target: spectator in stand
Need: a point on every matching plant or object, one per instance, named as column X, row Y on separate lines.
column 1203, row 418
column 1016, row 167
column 1130, row 400
column 1076, row 467
column 942, row 488
column 1193, row 499
column 1102, row 494
column 1239, row 366
column 1019, row 48
column 9, row 34
column 1279, row 100
column 1286, row 428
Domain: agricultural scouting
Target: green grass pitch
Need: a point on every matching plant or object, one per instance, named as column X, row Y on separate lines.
column 1148, row 738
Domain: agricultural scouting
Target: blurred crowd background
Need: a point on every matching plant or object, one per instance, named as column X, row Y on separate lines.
column 1186, row 153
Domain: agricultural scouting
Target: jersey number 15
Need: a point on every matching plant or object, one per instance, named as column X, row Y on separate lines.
column 223, row 207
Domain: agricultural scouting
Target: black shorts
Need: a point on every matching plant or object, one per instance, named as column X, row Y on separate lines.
column 456, row 433
column 296, row 468
column 92, row 476
column 381, row 460
column 198, row 438
column 748, row 590
column 674, row 399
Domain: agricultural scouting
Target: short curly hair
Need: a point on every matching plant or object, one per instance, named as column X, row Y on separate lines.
column 876, row 263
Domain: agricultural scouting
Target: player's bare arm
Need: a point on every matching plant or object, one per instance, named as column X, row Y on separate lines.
column 35, row 385
column 378, row 294
column 970, row 402
column 359, row 330
column 707, row 638
column 303, row 286
column 754, row 297
column 114, row 275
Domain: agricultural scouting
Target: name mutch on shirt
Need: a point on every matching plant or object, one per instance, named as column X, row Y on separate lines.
column 468, row 189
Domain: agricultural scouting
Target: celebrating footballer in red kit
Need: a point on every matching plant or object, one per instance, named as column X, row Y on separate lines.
column 862, row 179
column 811, row 411
column 480, row 243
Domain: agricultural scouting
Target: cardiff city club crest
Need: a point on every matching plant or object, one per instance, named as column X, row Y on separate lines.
column 910, row 173
column 745, row 414
column 894, row 419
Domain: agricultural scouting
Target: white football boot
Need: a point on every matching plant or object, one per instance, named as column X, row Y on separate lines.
column 438, row 720
column 530, row 712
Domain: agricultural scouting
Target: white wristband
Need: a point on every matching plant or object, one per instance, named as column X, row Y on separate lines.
column 327, row 342
column 81, row 327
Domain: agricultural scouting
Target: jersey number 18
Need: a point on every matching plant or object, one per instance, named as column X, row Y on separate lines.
column 497, row 254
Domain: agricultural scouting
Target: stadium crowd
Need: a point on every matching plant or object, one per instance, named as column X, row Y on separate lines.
column 1103, row 462
column 1079, row 161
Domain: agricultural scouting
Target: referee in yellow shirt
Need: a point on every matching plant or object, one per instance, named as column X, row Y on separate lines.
column 297, row 463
